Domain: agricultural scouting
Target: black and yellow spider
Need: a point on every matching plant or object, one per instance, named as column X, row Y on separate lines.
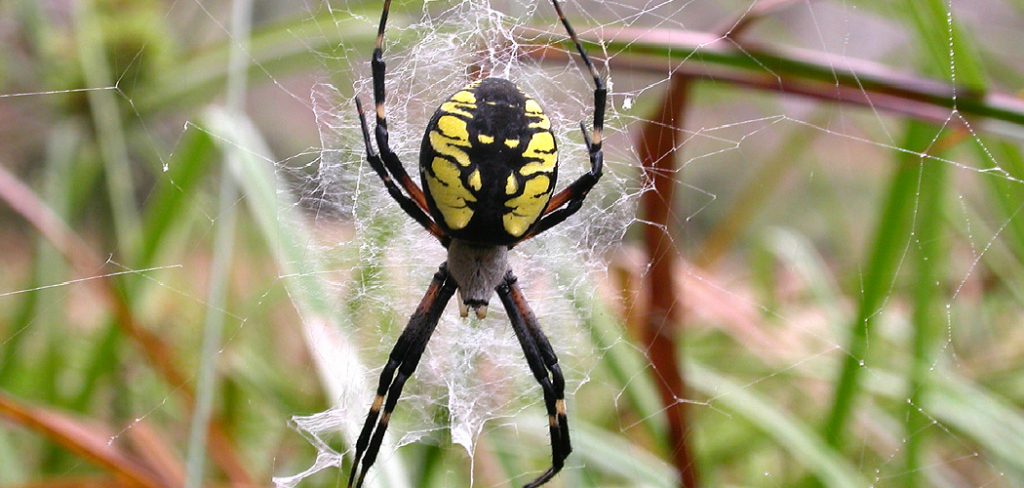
column 488, row 164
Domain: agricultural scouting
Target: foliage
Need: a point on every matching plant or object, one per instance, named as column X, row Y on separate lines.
column 848, row 274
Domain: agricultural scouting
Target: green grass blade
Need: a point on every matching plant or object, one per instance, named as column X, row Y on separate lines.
column 1007, row 193
column 943, row 38
column 278, row 49
column 109, row 128
column 799, row 439
column 971, row 414
column 168, row 206
column 62, row 148
column 929, row 256
column 167, row 211
column 223, row 255
column 994, row 423
column 327, row 333
column 887, row 250
column 624, row 362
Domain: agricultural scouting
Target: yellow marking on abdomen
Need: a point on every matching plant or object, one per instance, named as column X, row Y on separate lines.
column 453, row 135
column 450, row 195
column 534, row 111
column 542, row 147
column 474, row 180
column 456, row 108
column 526, row 208
column 532, row 107
column 485, row 139
column 542, row 123
column 454, row 128
column 464, row 96
column 511, row 185
column 462, row 103
column 512, row 143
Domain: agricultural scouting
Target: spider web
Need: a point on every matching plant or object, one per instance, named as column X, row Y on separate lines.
column 473, row 373
column 473, row 381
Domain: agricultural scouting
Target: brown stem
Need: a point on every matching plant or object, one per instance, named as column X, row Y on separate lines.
column 26, row 204
column 86, row 441
column 718, row 58
column 657, row 144
column 880, row 101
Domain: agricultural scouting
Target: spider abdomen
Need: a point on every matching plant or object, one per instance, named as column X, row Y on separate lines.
column 488, row 163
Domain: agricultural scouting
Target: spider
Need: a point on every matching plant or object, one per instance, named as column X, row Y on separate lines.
column 488, row 164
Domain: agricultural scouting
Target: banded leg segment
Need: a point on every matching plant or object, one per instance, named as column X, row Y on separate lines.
column 404, row 358
column 544, row 365
column 408, row 205
column 394, row 165
column 568, row 201
column 600, row 91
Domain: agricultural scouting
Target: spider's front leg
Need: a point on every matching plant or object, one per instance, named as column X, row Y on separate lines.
column 568, row 201
column 394, row 165
column 544, row 365
column 409, row 205
column 404, row 358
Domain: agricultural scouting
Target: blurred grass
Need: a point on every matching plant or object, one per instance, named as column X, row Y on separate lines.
column 905, row 343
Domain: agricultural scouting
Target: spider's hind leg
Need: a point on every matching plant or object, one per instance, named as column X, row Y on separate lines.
column 404, row 358
column 544, row 365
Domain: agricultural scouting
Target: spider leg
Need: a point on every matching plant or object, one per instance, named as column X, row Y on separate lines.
column 568, row 201
column 407, row 204
column 394, row 165
column 544, row 365
column 404, row 358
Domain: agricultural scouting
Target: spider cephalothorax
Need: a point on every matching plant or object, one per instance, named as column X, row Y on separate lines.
column 488, row 164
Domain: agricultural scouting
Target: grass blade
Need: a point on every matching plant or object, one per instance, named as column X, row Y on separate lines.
column 223, row 253
column 888, row 248
column 803, row 444
column 326, row 332
column 927, row 320
column 109, row 128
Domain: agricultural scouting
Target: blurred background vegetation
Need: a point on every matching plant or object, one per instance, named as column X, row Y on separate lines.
column 824, row 289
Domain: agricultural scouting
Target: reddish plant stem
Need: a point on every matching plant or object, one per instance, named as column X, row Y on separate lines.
column 657, row 144
column 25, row 203
column 882, row 102
column 87, row 441
column 716, row 57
